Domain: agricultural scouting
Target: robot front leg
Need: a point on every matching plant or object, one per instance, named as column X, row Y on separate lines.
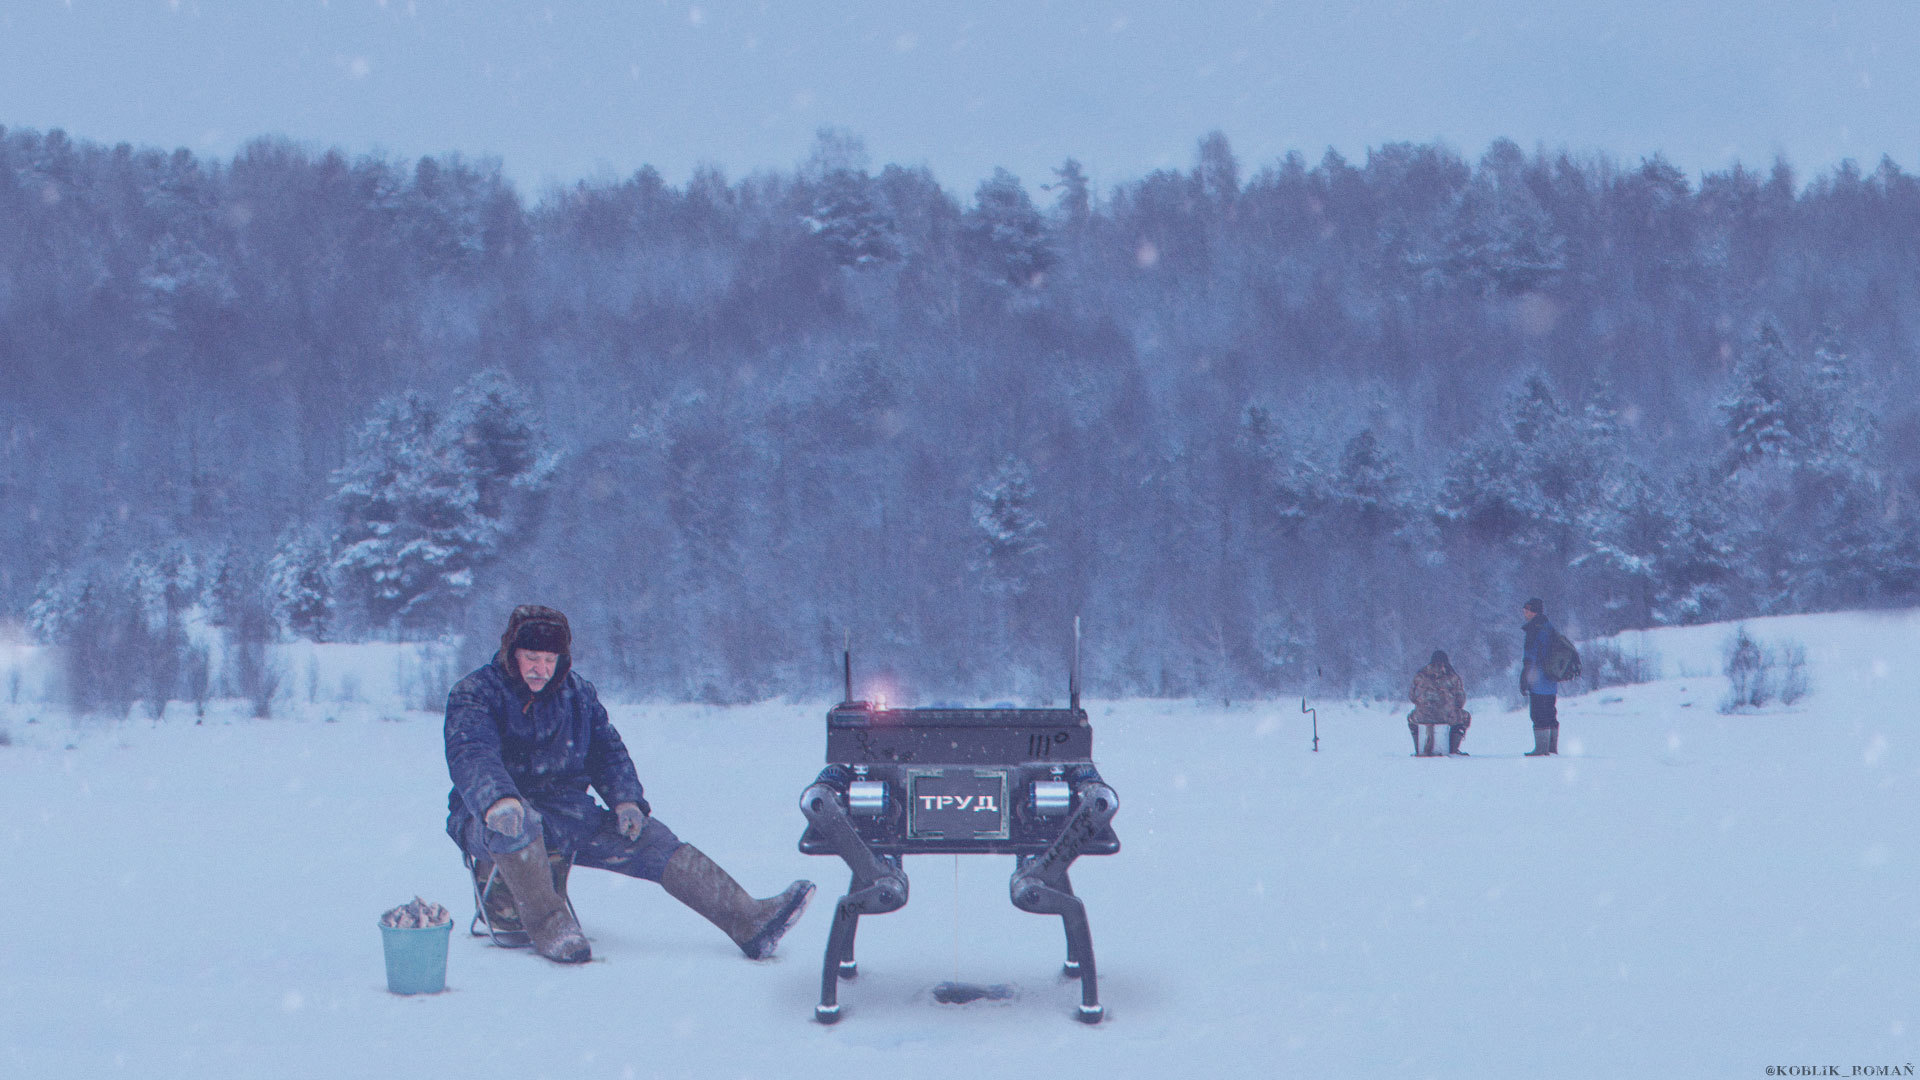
column 879, row 885
column 1071, row 968
column 869, row 898
column 1041, row 897
column 1040, row 885
column 849, row 965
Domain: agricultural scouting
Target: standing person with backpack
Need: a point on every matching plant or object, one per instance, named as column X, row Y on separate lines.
column 1536, row 644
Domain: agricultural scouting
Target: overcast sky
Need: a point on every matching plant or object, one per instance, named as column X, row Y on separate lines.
column 561, row 91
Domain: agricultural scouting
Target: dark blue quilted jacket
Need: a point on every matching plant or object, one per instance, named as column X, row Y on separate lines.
column 545, row 748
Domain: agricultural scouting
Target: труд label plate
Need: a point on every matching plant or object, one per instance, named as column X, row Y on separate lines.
column 957, row 804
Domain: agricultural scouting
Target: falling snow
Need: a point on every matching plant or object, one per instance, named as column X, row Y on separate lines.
column 1683, row 891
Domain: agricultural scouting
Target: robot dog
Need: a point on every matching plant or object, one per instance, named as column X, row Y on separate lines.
column 929, row 781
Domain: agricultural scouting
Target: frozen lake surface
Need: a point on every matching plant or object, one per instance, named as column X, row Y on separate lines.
column 1680, row 893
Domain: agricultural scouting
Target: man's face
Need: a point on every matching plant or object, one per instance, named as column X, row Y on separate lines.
column 1525, row 615
column 536, row 667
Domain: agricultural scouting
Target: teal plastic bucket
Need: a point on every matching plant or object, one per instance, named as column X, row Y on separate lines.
column 416, row 958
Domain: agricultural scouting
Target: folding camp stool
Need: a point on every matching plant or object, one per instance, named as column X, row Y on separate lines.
column 509, row 939
column 1431, row 729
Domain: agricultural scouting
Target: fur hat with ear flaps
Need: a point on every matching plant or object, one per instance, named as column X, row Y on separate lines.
column 536, row 629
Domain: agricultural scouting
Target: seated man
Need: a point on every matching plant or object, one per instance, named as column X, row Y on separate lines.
column 525, row 737
column 1439, row 696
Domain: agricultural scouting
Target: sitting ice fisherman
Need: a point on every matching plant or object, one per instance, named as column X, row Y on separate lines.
column 1439, row 697
column 526, row 736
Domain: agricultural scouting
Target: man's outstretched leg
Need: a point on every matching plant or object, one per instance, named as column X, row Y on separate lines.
column 754, row 925
column 656, row 854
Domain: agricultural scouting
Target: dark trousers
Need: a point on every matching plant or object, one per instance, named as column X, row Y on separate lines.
column 644, row 857
column 1543, row 709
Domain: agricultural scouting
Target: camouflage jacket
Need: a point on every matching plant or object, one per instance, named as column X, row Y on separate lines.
column 1439, row 697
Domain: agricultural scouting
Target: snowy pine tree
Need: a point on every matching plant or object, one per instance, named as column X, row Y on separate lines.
column 1366, row 493
column 1810, row 507
column 424, row 500
column 1521, row 485
column 1283, row 484
column 1843, row 433
column 1497, row 239
column 1624, row 531
column 849, row 222
column 409, row 527
column 1699, row 562
column 1759, row 419
column 492, row 436
column 1073, row 194
column 1008, row 526
column 299, row 586
column 1006, row 235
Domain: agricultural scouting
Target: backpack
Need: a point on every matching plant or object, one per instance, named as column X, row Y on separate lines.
column 1562, row 660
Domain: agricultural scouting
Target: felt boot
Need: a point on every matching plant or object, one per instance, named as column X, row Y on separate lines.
column 543, row 910
column 1540, row 739
column 754, row 925
column 501, row 914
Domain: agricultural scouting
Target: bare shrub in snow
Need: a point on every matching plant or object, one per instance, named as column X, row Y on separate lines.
column 425, row 674
column 255, row 676
column 1759, row 674
column 122, row 629
column 1610, row 663
column 251, row 671
column 198, row 678
column 1748, row 670
column 1793, row 674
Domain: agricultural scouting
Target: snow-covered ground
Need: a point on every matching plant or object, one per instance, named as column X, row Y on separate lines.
column 1681, row 893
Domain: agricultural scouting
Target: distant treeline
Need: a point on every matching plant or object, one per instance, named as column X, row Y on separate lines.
column 1277, row 430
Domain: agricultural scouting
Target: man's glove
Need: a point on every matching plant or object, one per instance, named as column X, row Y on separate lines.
column 507, row 817
column 631, row 818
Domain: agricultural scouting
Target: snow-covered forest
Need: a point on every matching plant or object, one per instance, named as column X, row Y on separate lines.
column 1268, row 426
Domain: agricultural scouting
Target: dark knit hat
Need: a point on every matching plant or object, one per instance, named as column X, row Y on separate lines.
column 1534, row 605
column 536, row 629
column 1440, row 657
